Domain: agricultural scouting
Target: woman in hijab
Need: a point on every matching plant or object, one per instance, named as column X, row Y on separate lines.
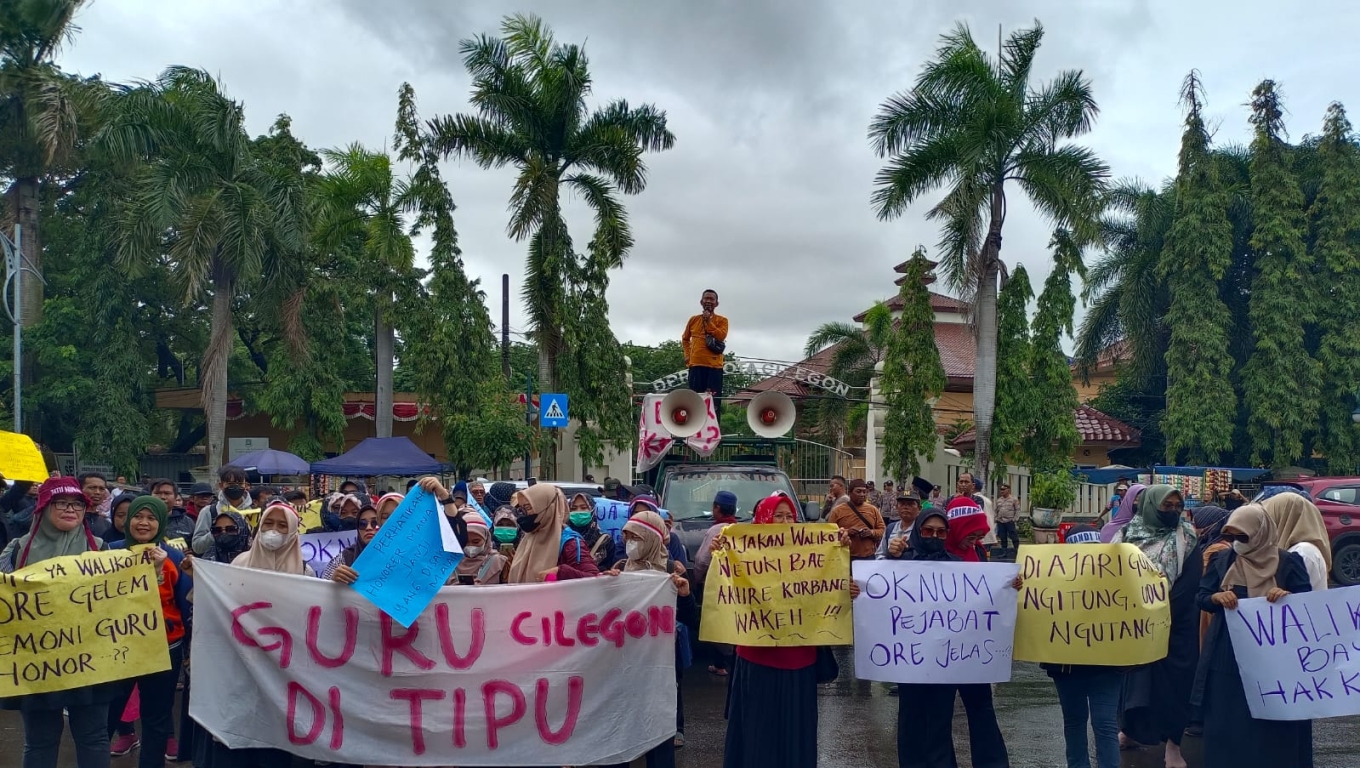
column 1254, row 567
column 58, row 530
column 644, row 534
column 772, row 693
column 341, row 568
column 581, row 518
column 481, row 563
column 674, row 546
column 276, row 546
column 146, row 523
column 1156, row 705
column 387, row 505
column 548, row 548
column 1302, row 531
column 1128, row 505
column 342, row 514
column 1209, row 522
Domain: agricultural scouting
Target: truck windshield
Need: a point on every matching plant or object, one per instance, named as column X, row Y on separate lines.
column 689, row 495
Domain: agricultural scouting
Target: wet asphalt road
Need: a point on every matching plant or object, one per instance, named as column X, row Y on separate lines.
column 858, row 721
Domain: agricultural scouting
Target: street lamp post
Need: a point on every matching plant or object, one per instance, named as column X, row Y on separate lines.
column 14, row 273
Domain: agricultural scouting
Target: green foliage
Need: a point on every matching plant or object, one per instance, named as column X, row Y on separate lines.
column 652, row 363
column 1049, row 444
column 912, row 377
column 857, row 351
column 1200, row 402
column 1335, row 216
column 1133, row 403
column 1280, row 380
column 1054, row 489
column 1015, row 393
column 971, row 124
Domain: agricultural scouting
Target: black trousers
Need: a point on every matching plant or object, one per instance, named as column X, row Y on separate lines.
column 703, row 379
column 1007, row 531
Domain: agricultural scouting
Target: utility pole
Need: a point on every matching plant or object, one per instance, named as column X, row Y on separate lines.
column 14, row 263
column 505, row 326
column 528, row 421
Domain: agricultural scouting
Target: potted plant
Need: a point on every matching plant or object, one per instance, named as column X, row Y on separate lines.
column 1050, row 493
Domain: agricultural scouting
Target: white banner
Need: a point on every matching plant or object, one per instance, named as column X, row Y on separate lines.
column 319, row 549
column 1300, row 656
column 934, row 622
column 576, row 673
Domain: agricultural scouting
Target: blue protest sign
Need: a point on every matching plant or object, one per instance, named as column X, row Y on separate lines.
column 552, row 411
column 610, row 515
column 319, row 549
column 410, row 559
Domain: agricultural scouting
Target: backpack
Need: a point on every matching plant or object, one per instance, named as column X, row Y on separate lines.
column 567, row 535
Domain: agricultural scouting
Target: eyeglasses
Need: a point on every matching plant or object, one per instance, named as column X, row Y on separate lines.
column 520, row 511
column 69, row 506
column 366, row 524
column 934, row 533
column 216, row 531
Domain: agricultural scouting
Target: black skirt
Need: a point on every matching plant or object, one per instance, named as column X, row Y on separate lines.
column 925, row 726
column 771, row 717
column 1233, row 739
column 1155, row 705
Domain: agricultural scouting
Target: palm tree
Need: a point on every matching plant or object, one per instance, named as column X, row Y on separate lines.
column 529, row 93
column 359, row 200
column 204, row 206
column 42, row 113
column 973, row 123
column 857, row 351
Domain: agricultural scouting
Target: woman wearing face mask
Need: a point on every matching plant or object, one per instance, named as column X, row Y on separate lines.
column 548, row 548
column 581, row 518
column 674, row 547
column 341, row 568
column 643, row 537
column 276, row 547
column 481, row 563
column 1254, row 567
column 772, row 693
column 58, row 529
column 233, row 496
column 342, row 514
column 147, row 521
column 1303, row 532
column 1208, row 522
column 1156, row 699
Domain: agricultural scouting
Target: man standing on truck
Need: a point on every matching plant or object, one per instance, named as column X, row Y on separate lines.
column 704, row 341
column 861, row 519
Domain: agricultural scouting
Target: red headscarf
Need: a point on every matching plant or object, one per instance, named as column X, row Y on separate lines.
column 764, row 513
column 966, row 518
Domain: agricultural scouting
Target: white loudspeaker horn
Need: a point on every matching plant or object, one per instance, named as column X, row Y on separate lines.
column 771, row 414
column 683, row 413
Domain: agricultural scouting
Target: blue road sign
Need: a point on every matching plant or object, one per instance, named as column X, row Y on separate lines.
column 552, row 411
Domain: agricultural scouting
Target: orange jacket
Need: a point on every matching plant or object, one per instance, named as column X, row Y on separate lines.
column 696, row 353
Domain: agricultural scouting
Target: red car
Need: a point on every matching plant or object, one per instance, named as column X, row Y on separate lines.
column 1338, row 498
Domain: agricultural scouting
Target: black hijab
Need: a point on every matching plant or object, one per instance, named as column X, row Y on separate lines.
column 917, row 541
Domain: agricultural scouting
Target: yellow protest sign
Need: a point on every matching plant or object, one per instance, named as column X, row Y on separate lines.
column 311, row 516
column 1102, row 604
column 252, row 517
column 779, row 585
column 20, row 459
column 178, row 544
column 79, row 620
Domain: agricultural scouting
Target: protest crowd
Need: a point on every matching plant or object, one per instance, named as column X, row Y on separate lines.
column 303, row 606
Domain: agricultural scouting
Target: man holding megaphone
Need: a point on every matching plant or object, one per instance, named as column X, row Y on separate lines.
column 704, row 341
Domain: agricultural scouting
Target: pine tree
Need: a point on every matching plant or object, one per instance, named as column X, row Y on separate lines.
column 1280, row 379
column 912, row 378
column 1336, row 251
column 1049, row 444
column 1200, row 402
column 1014, row 393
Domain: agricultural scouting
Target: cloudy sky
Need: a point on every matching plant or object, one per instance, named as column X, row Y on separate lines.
column 766, row 193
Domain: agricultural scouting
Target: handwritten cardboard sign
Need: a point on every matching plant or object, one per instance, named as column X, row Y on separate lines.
column 410, row 559
column 779, row 585
column 1099, row 604
column 611, row 515
column 934, row 622
column 578, row 673
column 1300, row 656
column 319, row 549
column 79, row 620
column 20, row 459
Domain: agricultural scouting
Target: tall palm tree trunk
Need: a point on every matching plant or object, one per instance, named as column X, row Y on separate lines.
column 384, row 344
column 25, row 204
column 215, row 359
column 984, row 370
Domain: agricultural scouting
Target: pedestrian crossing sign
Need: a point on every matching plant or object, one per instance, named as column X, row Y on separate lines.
column 552, row 411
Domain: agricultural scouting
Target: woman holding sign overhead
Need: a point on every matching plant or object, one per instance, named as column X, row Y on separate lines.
column 58, row 530
column 1254, row 567
column 1156, row 705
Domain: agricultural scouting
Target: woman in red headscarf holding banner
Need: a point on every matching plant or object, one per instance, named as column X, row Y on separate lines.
column 772, row 696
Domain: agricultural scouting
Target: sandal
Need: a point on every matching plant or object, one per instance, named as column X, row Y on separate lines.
column 679, row 740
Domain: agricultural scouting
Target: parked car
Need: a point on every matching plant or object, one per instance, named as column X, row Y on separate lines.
column 1338, row 498
column 568, row 489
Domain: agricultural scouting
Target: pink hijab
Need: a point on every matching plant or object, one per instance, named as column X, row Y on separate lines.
column 1127, row 505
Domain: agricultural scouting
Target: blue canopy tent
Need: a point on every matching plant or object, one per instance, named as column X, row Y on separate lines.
column 396, row 456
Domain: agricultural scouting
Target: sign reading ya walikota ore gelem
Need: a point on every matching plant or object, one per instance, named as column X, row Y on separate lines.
column 1098, row 604
column 779, row 585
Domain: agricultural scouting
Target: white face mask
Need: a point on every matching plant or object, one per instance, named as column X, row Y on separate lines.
column 272, row 540
column 1241, row 546
column 634, row 548
column 474, row 551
